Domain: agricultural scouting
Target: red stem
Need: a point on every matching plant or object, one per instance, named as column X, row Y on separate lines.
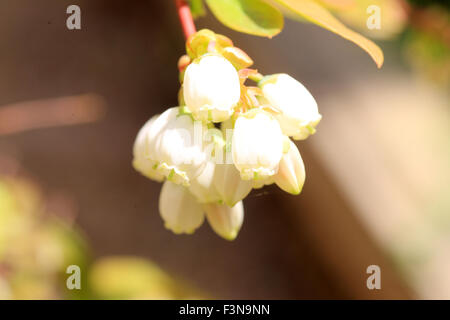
column 184, row 13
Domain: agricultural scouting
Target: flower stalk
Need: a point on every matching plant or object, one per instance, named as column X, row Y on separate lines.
column 185, row 16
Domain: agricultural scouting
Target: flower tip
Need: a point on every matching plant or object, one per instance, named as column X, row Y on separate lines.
column 225, row 221
column 231, row 236
column 295, row 191
column 179, row 231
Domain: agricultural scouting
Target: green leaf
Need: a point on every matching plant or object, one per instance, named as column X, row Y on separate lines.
column 255, row 17
column 197, row 8
column 315, row 13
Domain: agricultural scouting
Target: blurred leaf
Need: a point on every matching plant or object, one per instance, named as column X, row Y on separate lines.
column 393, row 16
column 36, row 246
column 315, row 13
column 197, row 8
column 255, row 17
column 339, row 4
column 428, row 55
column 124, row 277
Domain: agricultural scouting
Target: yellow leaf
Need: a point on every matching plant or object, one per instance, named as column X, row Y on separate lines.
column 315, row 13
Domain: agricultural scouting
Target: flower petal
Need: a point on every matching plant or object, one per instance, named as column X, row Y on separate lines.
column 229, row 184
column 257, row 145
column 203, row 187
column 291, row 172
column 141, row 160
column 179, row 209
column 226, row 221
column 179, row 149
column 299, row 114
column 211, row 88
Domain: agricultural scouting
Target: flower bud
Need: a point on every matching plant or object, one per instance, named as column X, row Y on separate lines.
column 202, row 186
column 291, row 172
column 179, row 209
column 198, row 43
column 299, row 114
column 223, row 41
column 211, row 88
column 257, row 145
column 224, row 220
column 229, row 185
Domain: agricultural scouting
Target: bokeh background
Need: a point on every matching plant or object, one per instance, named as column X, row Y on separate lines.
column 378, row 177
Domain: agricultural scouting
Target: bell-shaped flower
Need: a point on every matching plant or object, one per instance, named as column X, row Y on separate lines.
column 141, row 152
column 229, row 185
column 224, row 220
column 179, row 209
column 178, row 148
column 298, row 112
column 291, row 172
column 257, row 145
column 203, row 186
column 211, row 88
column 220, row 181
column 150, row 131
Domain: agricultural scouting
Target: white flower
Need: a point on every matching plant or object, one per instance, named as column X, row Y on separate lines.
column 220, row 183
column 226, row 221
column 257, row 145
column 291, row 172
column 229, row 185
column 141, row 161
column 299, row 114
column 203, row 187
column 211, row 88
column 178, row 148
column 258, row 184
column 179, row 209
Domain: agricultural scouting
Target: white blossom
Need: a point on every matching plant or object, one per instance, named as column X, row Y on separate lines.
column 203, row 186
column 226, row 221
column 211, row 88
column 141, row 152
column 299, row 114
column 229, row 185
column 210, row 170
column 291, row 173
column 179, row 209
column 178, row 148
column 257, row 145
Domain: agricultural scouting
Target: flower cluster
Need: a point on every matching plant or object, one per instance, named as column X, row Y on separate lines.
column 225, row 137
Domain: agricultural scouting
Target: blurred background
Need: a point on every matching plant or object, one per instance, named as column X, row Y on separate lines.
column 378, row 177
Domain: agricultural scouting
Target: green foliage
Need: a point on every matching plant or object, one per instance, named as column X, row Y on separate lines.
column 255, row 17
column 123, row 277
column 197, row 8
column 261, row 18
column 36, row 246
column 428, row 55
column 315, row 13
